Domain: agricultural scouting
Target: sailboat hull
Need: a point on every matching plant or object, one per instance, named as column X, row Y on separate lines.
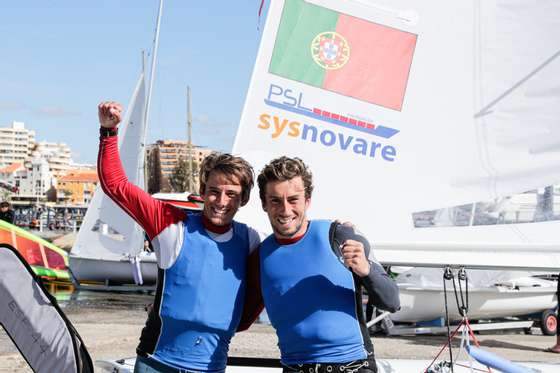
column 422, row 304
column 112, row 271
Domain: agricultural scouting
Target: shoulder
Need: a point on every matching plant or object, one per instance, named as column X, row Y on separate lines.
column 344, row 232
column 255, row 238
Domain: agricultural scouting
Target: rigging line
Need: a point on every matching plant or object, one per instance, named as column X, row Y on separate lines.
column 475, row 340
column 462, row 276
column 427, row 370
column 259, row 15
column 459, row 306
column 448, row 274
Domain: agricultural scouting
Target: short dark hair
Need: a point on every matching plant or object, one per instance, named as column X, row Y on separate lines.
column 5, row 204
column 229, row 165
column 282, row 169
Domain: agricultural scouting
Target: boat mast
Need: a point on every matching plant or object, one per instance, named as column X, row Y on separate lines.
column 190, row 181
column 152, row 74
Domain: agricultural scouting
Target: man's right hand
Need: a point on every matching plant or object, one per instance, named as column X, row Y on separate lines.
column 110, row 114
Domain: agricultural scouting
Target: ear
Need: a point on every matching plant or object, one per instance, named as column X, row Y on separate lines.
column 264, row 206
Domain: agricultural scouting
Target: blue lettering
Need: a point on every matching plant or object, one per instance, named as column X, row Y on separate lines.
column 374, row 146
column 300, row 105
column 313, row 131
column 388, row 153
column 274, row 90
column 360, row 147
column 292, row 100
column 344, row 144
column 332, row 138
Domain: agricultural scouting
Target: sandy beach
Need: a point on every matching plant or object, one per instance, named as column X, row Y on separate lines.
column 113, row 332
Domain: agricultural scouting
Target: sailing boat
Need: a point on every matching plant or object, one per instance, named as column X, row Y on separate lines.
column 459, row 110
column 109, row 245
column 108, row 248
column 429, row 115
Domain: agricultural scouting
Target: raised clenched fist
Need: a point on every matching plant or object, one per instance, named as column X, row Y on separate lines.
column 110, row 114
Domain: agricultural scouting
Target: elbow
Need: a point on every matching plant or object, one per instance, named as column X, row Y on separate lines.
column 393, row 303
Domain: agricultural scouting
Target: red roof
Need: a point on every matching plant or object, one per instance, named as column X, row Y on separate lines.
column 11, row 168
column 81, row 176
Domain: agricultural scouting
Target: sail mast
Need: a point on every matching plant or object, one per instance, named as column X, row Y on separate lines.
column 190, row 181
column 152, row 73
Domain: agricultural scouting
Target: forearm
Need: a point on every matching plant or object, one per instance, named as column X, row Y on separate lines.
column 381, row 288
column 152, row 215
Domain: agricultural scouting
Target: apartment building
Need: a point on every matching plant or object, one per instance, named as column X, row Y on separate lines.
column 34, row 180
column 78, row 186
column 171, row 151
column 16, row 143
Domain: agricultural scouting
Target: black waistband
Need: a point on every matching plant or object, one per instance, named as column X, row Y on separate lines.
column 350, row 367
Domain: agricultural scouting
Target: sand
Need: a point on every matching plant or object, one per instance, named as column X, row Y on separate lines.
column 111, row 334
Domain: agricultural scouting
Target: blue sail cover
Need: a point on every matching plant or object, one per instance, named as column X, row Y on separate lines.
column 37, row 326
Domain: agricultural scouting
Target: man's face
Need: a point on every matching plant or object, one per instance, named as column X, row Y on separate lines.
column 4, row 208
column 222, row 198
column 286, row 206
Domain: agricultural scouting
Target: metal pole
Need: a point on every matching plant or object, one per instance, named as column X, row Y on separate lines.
column 190, row 181
column 150, row 87
column 153, row 68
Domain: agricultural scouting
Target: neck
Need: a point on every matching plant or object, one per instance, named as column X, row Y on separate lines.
column 296, row 237
column 209, row 226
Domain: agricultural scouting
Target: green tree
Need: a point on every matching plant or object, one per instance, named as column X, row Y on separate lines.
column 155, row 178
column 179, row 178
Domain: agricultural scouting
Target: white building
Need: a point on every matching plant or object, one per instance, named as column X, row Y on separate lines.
column 58, row 155
column 16, row 143
column 35, row 180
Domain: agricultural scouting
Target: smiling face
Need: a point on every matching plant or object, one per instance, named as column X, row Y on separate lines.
column 222, row 198
column 286, row 206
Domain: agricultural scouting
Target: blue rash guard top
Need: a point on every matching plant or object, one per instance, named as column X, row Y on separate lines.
column 202, row 299
column 310, row 299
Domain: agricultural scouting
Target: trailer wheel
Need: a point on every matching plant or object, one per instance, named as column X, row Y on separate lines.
column 549, row 323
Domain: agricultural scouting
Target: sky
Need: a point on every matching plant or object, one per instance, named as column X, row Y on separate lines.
column 60, row 58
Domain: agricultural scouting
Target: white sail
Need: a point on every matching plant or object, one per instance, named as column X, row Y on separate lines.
column 107, row 231
column 477, row 122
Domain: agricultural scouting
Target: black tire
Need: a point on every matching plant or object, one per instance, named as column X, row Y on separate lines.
column 549, row 323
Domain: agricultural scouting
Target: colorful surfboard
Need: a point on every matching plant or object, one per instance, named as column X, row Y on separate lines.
column 46, row 259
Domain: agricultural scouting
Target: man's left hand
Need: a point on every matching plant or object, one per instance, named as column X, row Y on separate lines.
column 354, row 257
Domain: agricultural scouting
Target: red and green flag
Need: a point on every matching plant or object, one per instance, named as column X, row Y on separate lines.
column 343, row 54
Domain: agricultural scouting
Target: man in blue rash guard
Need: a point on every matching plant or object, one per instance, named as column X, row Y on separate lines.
column 312, row 292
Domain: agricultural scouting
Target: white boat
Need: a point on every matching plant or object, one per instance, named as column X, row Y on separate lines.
column 108, row 247
column 428, row 173
column 477, row 123
column 492, row 294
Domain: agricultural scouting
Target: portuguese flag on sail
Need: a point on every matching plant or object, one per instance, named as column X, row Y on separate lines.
column 343, row 54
